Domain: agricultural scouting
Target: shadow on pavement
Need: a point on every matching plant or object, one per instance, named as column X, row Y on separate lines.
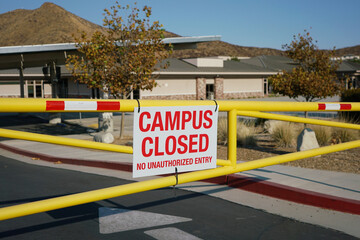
column 35, row 124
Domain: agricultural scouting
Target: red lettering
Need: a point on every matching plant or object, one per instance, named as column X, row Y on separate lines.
column 203, row 144
column 143, row 147
column 141, row 120
column 199, row 121
column 157, row 153
column 186, row 117
column 140, row 166
column 157, row 122
column 182, row 144
column 208, row 119
column 172, row 121
column 173, row 145
column 192, row 143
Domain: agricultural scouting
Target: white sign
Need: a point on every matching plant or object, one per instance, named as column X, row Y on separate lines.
column 166, row 138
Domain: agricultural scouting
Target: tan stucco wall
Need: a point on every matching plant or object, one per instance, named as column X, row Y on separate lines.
column 13, row 90
column 10, row 90
column 47, row 90
column 172, row 87
column 243, row 85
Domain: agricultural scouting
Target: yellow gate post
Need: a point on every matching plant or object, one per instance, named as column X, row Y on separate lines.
column 230, row 166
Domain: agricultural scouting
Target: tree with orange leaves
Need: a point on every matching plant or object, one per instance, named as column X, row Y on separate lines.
column 314, row 77
column 124, row 57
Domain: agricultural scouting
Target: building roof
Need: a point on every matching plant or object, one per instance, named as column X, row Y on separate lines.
column 276, row 63
column 182, row 67
column 349, row 66
column 39, row 55
column 279, row 63
column 261, row 66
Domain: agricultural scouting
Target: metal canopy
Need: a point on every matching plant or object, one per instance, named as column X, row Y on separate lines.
column 16, row 57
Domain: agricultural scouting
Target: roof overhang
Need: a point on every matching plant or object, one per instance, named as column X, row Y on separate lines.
column 264, row 74
column 39, row 55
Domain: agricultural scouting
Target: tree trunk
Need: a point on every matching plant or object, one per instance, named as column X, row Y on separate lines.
column 306, row 116
column 122, row 121
column 105, row 121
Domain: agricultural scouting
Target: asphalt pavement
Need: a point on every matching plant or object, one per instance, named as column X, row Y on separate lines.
column 157, row 214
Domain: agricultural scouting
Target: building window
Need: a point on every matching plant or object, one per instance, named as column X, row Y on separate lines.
column 210, row 91
column 35, row 88
column 266, row 87
column 134, row 94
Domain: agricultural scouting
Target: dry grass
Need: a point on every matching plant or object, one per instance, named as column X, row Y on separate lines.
column 323, row 134
column 283, row 133
column 246, row 132
column 222, row 131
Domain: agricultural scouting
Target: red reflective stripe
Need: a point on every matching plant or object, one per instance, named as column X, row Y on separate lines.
column 322, row 106
column 106, row 106
column 55, row 105
column 345, row 106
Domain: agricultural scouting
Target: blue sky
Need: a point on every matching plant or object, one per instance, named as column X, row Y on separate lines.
column 258, row 23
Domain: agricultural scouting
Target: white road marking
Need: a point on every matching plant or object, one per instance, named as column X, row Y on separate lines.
column 113, row 220
column 171, row 233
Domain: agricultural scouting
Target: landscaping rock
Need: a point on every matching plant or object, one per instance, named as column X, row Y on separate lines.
column 54, row 118
column 306, row 140
column 104, row 137
column 106, row 123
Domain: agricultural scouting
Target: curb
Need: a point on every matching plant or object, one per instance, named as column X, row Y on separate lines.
column 237, row 181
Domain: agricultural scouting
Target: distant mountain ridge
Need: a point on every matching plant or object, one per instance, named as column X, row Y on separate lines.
column 53, row 24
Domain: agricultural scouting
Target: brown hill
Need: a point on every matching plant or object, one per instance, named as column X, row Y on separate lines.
column 355, row 50
column 52, row 24
column 47, row 24
column 220, row 48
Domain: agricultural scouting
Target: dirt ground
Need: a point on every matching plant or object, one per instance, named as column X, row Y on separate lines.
column 344, row 161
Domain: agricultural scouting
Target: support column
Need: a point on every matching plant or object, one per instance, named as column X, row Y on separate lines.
column 200, row 88
column 232, row 137
column 54, row 81
column 54, row 118
column 21, row 71
column 219, row 88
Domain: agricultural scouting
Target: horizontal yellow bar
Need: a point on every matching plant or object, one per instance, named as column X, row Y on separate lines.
column 221, row 162
column 298, row 119
column 39, row 105
column 64, row 141
column 116, row 191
